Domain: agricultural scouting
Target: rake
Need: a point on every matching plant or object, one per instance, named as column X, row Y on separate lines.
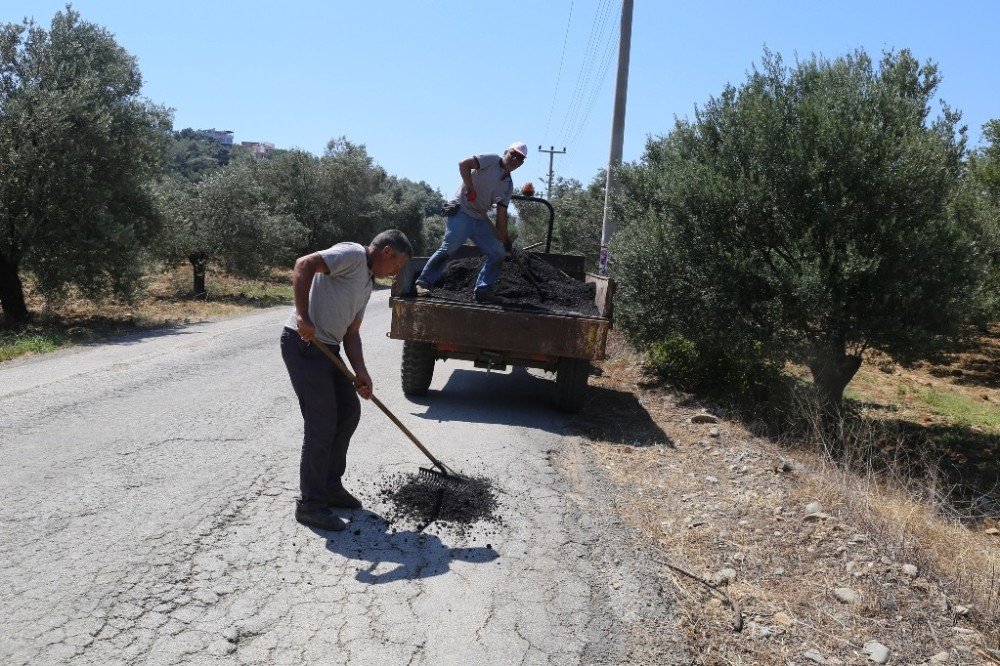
column 443, row 476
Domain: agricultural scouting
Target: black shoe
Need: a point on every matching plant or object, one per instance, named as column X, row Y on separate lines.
column 344, row 500
column 321, row 519
column 487, row 297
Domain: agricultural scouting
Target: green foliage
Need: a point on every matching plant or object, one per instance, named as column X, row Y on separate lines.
column 808, row 215
column 78, row 147
column 352, row 178
column 194, row 154
column 431, row 234
column 959, row 408
column 983, row 205
column 343, row 196
column 13, row 345
column 694, row 365
column 227, row 220
column 405, row 205
column 579, row 217
column 576, row 229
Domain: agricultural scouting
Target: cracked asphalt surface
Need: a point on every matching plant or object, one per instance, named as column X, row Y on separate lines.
column 147, row 512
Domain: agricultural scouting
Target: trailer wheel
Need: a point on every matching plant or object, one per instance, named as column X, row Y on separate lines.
column 571, row 383
column 418, row 367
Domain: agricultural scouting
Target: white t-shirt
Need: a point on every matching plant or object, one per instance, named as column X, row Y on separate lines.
column 337, row 299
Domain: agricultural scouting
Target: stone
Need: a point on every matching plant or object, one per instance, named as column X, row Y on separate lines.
column 845, row 595
column 704, row 417
column 712, row 479
column 816, row 517
column 940, row 658
column 876, row 652
column 813, row 507
column 724, row 576
column 815, row 657
column 910, row 570
column 961, row 610
column 714, row 432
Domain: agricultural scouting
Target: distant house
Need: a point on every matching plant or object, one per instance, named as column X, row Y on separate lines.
column 225, row 137
column 258, row 148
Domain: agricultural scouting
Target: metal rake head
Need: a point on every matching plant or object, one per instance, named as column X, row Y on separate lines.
column 444, row 480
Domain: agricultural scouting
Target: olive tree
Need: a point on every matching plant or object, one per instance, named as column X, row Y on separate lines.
column 984, row 194
column 78, row 149
column 226, row 220
column 806, row 215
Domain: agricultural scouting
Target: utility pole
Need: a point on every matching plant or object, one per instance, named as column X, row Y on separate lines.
column 552, row 152
column 617, row 130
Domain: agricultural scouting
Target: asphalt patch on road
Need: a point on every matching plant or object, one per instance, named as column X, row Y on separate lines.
column 556, row 292
column 411, row 498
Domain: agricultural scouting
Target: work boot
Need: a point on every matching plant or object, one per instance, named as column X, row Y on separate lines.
column 344, row 500
column 423, row 289
column 321, row 519
column 487, row 297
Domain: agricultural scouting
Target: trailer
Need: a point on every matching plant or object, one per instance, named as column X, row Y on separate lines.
column 493, row 337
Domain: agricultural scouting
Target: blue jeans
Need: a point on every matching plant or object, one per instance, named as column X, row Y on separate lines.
column 462, row 226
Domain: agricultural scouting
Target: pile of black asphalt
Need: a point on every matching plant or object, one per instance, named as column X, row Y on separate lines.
column 411, row 498
column 556, row 292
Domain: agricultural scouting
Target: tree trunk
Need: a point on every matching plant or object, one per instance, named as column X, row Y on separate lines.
column 15, row 310
column 199, row 264
column 832, row 369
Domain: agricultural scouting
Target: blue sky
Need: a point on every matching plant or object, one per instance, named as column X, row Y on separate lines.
column 424, row 83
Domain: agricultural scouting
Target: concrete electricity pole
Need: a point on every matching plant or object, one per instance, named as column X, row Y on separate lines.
column 617, row 130
column 552, row 152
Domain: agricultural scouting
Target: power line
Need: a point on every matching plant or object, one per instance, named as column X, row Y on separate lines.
column 559, row 73
column 584, row 80
column 610, row 46
column 597, row 27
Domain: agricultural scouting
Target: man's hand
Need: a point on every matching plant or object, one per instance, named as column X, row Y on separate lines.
column 470, row 196
column 363, row 385
column 307, row 331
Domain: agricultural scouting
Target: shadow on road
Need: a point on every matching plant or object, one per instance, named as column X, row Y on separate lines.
column 137, row 336
column 414, row 554
column 527, row 400
column 515, row 398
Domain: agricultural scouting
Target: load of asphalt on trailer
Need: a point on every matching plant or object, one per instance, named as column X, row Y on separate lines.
column 556, row 292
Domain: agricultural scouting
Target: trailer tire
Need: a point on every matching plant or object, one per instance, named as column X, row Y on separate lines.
column 571, row 383
column 418, row 367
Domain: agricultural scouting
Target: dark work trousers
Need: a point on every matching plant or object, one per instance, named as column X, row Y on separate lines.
column 331, row 410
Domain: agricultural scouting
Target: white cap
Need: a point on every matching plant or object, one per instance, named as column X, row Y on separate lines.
column 519, row 147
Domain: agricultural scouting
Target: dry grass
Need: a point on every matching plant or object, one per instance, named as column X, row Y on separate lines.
column 167, row 302
column 963, row 560
column 738, row 501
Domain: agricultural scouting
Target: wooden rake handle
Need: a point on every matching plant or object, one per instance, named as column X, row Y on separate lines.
column 378, row 403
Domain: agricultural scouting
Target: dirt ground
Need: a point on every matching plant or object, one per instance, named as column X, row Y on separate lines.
column 779, row 557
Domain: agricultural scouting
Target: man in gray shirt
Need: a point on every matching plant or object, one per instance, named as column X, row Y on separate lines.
column 486, row 183
column 331, row 290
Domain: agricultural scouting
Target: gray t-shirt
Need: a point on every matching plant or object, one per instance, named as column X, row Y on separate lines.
column 492, row 187
column 335, row 300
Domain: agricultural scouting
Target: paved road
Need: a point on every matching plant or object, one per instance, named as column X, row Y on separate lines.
column 146, row 511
